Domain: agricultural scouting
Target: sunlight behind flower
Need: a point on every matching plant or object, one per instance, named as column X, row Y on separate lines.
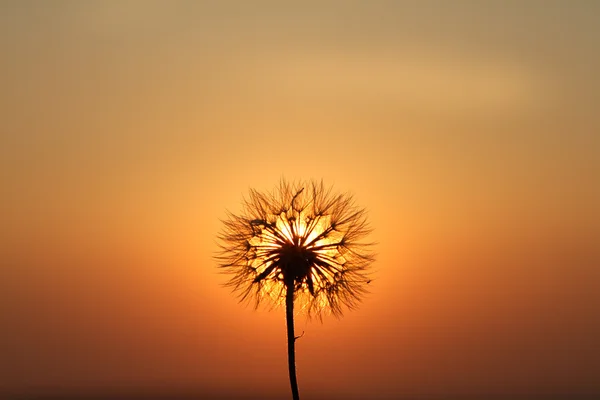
column 312, row 232
column 300, row 235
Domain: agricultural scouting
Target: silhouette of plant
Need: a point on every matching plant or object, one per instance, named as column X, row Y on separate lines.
column 300, row 244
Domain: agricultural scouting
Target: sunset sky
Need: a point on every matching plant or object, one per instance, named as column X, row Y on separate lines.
column 469, row 130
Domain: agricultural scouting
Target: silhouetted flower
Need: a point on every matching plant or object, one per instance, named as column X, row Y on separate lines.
column 301, row 234
column 300, row 244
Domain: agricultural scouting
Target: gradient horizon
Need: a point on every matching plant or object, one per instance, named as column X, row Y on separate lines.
column 468, row 131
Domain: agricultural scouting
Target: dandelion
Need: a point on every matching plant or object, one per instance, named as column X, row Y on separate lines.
column 300, row 245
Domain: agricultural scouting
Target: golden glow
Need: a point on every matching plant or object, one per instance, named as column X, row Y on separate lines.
column 468, row 130
column 299, row 230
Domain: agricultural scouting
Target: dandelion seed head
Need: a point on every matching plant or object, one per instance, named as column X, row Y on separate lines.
column 300, row 236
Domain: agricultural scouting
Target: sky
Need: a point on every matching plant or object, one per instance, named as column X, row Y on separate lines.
column 469, row 131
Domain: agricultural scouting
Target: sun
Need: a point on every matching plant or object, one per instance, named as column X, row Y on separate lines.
column 305, row 241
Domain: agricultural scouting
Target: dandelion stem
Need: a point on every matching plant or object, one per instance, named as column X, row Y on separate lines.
column 291, row 339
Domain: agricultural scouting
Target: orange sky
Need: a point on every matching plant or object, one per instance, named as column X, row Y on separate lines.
column 468, row 130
